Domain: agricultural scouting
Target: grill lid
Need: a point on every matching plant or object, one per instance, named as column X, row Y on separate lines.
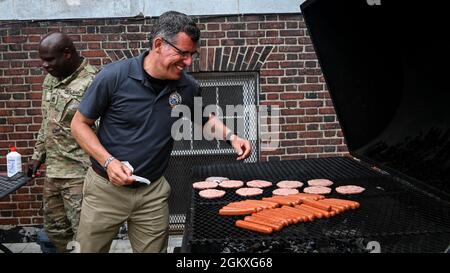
column 385, row 67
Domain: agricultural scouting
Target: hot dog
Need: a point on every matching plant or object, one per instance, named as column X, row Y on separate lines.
column 261, row 221
column 226, row 211
column 307, row 216
column 317, row 204
column 310, row 196
column 301, row 217
column 353, row 204
column 270, row 213
column 278, row 200
column 316, row 211
column 254, row 227
column 269, row 219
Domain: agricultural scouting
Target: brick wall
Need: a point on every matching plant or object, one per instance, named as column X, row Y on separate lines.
column 278, row 46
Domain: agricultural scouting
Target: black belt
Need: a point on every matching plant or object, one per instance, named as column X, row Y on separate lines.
column 104, row 174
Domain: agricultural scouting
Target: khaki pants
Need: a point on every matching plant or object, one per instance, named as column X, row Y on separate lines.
column 107, row 206
column 62, row 205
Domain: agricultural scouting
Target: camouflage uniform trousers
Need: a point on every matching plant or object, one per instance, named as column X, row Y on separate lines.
column 62, row 207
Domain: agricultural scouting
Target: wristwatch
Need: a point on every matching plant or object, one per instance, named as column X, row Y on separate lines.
column 107, row 162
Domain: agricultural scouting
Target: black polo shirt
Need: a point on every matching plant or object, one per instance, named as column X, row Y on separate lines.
column 135, row 121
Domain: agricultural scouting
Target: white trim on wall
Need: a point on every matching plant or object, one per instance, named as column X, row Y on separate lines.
column 74, row 9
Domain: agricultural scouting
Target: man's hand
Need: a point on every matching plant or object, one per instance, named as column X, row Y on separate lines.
column 119, row 174
column 32, row 168
column 241, row 146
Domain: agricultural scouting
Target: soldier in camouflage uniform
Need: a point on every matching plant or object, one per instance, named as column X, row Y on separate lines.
column 68, row 77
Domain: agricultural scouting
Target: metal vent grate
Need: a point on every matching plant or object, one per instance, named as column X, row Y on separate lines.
column 224, row 91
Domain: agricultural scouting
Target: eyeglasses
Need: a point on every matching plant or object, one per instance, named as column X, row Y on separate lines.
column 184, row 54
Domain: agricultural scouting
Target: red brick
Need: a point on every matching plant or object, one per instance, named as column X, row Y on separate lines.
column 10, row 206
column 36, row 87
column 293, row 112
column 23, row 197
column 16, row 72
column 25, row 221
column 93, row 37
column 310, row 87
column 279, row 151
column 24, row 205
column 292, row 157
column 273, row 103
column 38, row 220
column 35, row 79
column 297, row 128
column 292, row 32
column 30, row 47
column 272, row 96
column 292, row 64
column 15, row 55
column 271, row 72
column 287, row 143
column 291, row 104
column 9, row 221
column 17, row 88
column 22, row 213
column 93, row 53
column 94, row 46
column 16, row 64
column 272, row 88
column 14, row 39
column 17, row 104
column 272, row 33
column 6, row 129
column 276, row 57
column 35, row 38
column 292, row 96
column 326, row 111
column 36, row 189
column 18, row 81
column 309, row 119
column 19, row 120
column 36, row 205
column 4, row 81
column 305, row 104
column 16, row 136
column 272, row 25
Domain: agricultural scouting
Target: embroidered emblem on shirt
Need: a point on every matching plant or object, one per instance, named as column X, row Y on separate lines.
column 174, row 99
column 54, row 99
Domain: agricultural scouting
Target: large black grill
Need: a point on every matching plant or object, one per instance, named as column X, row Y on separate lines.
column 397, row 215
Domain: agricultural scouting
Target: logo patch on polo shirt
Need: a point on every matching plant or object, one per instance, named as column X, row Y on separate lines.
column 174, row 99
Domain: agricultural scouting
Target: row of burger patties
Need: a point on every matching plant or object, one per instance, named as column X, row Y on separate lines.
column 254, row 187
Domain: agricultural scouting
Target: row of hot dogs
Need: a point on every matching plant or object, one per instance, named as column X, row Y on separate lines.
column 273, row 213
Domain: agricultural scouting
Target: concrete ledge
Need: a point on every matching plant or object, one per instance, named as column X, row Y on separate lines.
column 71, row 9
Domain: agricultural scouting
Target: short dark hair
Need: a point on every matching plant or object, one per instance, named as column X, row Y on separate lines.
column 171, row 23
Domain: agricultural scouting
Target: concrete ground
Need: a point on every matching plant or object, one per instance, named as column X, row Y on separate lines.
column 118, row 246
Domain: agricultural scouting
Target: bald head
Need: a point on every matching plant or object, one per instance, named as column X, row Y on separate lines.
column 58, row 54
column 58, row 42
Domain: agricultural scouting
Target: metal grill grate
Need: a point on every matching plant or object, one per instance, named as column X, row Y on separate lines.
column 219, row 89
column 10, row 184
column 391, row 213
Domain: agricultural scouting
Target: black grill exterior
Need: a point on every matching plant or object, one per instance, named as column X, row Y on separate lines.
column 390, row 93
column 397, row 215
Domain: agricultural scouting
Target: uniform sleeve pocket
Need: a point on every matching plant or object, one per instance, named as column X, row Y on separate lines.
column 68, row 111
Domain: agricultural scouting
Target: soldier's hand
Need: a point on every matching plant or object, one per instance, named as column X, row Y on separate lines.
column 119, row 174
column 32, row 168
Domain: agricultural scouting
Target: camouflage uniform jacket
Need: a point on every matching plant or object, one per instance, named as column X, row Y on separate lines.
column 55, row 144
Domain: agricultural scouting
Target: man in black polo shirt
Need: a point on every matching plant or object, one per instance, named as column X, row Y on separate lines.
column 134, row 99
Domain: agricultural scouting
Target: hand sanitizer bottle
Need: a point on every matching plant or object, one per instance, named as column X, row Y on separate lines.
column 14, row 162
